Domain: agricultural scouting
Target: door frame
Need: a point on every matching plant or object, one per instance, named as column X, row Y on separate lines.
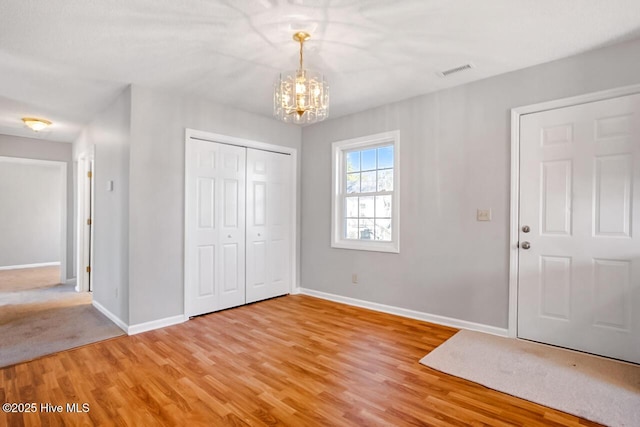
column 62, row 167
column 84, row 241
column 247, row 143
column 514, row 232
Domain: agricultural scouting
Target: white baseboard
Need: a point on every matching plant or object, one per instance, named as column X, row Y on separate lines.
column 412, row 314
column 71, row 282
column 295, row 291
column 156, row 324
column 140, row 327
column 115, row 319
column 40, row 264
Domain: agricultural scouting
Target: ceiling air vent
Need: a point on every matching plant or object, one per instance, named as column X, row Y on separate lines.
column 447, row 73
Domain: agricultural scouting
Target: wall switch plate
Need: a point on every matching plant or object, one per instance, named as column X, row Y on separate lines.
column 483, row 215
column 109, row 185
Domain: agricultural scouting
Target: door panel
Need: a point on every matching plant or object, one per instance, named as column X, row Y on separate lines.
column 205, row 201
column 269, row 224
column 555, row 295
column 206, row 271
column 612, row 202
column 555, row 198
column 579, row 282
column 231, row 268
column 215, row 180
column 257, row 267
column 611, row 285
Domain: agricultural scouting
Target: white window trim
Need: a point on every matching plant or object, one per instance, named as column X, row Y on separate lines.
column 338, row 187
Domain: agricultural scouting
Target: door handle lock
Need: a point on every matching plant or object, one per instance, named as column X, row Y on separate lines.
column 526, row 229
column 525, row 245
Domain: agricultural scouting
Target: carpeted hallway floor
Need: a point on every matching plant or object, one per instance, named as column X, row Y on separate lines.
column 40, row 316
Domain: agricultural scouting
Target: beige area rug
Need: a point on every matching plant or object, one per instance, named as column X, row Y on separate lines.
column 42, row 321
column 595, row 388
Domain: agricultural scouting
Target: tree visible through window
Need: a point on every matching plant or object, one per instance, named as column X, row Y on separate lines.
column 369, row 187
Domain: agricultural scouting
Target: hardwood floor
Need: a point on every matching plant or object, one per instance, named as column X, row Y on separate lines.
column 290, row 361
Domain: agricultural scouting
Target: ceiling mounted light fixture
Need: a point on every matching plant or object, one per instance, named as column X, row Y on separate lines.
column 36, row 124
column 301, row 96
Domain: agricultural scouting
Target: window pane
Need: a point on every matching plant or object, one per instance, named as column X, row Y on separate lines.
column 366, row 229
column 385, row 180
column 385, row 157
column 368, row 182
column 351, row 207
column 353, row 161
column 351, row 229
column 383, row 206
column 368, row 160
column 383, row 229
column 366, row 207
column 353, row 183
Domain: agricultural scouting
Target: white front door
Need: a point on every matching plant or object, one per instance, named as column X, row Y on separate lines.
column 579, row 256
column 215, row 224
column 269, row 224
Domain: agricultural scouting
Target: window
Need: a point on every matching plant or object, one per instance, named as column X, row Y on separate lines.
column 366, row 196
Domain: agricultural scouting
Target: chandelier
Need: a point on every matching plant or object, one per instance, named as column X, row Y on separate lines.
column 301, row 96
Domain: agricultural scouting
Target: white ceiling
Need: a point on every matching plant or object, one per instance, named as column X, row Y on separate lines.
column 65, row 60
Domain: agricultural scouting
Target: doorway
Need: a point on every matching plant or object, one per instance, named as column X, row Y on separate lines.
column 34, row 226
column 84, row 215
column 575, row 196
column 41, row 312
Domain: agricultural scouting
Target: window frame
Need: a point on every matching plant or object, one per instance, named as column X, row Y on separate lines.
column 338, row 191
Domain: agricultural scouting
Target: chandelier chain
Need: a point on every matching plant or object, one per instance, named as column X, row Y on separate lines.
column 301, row 43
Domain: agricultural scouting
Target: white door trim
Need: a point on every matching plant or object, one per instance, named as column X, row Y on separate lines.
column 241, row 142
column 515, row 179
column 83, row 161
column 63, row 206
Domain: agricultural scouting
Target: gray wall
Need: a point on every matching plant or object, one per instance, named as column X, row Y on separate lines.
column 30, row 212
column 109, row 132
column 32, row 148
column 455, row 157
column 156, row 240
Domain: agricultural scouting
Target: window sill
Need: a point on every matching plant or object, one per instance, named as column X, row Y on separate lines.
column 371, row 246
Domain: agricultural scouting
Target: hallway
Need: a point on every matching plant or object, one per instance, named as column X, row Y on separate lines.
column 40, row 316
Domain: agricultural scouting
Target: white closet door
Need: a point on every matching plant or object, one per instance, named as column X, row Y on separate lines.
column 269, row 223
column 579, row 272
column 215, row 226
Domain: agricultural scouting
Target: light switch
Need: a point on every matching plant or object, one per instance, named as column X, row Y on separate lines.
column 483, row 215
column 109, row 185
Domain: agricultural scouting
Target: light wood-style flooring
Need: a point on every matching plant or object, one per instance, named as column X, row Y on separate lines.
column 290, row 361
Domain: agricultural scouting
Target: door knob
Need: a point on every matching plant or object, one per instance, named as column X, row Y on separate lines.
column 526, row 229
column 525, row 245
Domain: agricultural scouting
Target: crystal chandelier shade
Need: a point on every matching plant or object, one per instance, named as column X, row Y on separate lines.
column 301, row 96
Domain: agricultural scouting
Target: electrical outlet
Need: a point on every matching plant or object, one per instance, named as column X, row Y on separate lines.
column 354, row 278
column 483, row 215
